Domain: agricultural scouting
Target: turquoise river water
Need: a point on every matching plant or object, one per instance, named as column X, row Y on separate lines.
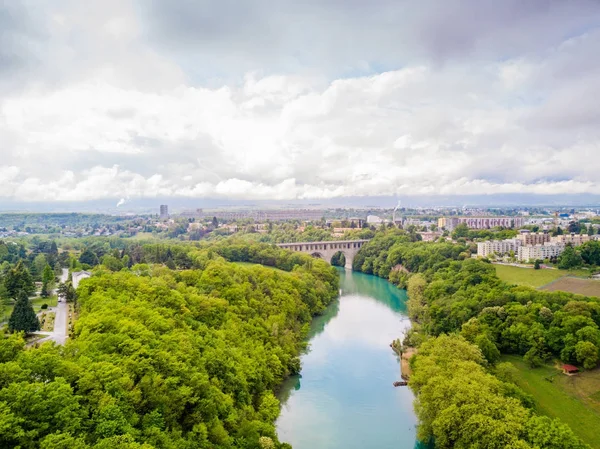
column 344, row 397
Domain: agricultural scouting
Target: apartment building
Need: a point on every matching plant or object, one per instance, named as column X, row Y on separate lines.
column 498, row 247
column 450, row 223
column 541, row 252
column 532, row 238
column 573, row 239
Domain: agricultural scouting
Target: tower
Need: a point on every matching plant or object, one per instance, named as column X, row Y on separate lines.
column 164, row 211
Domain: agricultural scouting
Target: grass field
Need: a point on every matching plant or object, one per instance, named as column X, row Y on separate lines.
column 35, row 302
column 533, row 278
column 575, row 400
column 587, row 287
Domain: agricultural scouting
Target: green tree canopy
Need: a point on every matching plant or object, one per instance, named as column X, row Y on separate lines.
column 23, row 318
column 19, row 279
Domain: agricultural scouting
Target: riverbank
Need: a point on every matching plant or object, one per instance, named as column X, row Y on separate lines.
column 344, row 398
column 405, row 370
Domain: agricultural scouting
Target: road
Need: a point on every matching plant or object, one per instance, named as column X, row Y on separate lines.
column 61, row 318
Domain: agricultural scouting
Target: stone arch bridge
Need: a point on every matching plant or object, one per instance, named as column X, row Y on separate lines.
column 326, row 250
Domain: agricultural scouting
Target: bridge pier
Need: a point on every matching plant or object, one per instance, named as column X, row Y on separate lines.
column 326, row 250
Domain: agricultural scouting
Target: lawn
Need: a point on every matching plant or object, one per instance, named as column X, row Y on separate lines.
column 35, row 302
column 533, row 278
column 587, row 287
column 575, row 400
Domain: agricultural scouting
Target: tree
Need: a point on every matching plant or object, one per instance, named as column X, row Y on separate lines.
column 38, row 265
column 19, row 279
column 536, row 265
column 23, row 318
column 587, row 354
column 48, row 278
column 569, row 258
column 462, row 230
column 67, row 291
column 215, row 222
column 88, row 257
column 574, row 227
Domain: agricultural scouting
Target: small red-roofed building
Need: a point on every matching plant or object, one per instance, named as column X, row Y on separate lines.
column 569, row 370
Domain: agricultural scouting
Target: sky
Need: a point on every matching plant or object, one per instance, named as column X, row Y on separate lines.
column 297, row 99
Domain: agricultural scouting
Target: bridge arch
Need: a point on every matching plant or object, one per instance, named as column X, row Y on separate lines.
column 327, row 249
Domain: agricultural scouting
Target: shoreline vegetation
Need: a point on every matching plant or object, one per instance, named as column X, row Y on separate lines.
column 179, row 345
column 463, row 319
column 169, row 358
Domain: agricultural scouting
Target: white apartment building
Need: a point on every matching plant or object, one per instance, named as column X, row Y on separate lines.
column 498, row 247
column 534, row 252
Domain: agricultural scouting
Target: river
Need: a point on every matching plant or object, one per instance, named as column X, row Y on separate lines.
column 344, row 397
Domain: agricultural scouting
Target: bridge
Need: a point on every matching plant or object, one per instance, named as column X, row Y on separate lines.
column 326, row 250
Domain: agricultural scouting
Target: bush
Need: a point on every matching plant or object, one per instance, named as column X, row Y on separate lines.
column 44, row 306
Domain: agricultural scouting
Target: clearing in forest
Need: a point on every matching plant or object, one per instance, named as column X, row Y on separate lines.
column 575, row 400
column 532, row 278
column 587, row 287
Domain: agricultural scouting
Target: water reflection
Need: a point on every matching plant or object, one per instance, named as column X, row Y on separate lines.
column 344, row 397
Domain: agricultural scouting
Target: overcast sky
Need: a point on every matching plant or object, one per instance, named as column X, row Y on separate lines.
column 292, row 99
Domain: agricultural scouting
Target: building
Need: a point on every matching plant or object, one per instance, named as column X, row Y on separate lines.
column 573, row 239
column 374, row 219
column 264, row 215
column 570, row 369
column 541, row 252
column 429, row 236
column 532, row 238
column 164, row 211
column 450, row 223
column 498, row 247
column 78, row 276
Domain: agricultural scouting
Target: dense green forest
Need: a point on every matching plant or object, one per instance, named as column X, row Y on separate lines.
column 452, row 294
column 168, row 358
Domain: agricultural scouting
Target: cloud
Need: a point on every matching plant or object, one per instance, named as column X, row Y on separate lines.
column 153, row 100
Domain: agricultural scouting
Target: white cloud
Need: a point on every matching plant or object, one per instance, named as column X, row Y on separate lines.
column 137, row 122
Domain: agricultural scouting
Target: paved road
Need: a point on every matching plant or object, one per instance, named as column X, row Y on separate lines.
column 61, row 318
column 60, row 323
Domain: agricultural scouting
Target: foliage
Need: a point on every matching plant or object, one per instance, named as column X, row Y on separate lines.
column 460, row 405
column 67, row 291
column 23, row 318
column 48, row 278
column 18, row 279
column 590, row 252
column 338, row 259
column 570, row 258
column 173, row 359
column 449, row 293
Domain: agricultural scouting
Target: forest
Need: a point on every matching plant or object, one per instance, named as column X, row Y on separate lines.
column 168, row 358
column 464, row 318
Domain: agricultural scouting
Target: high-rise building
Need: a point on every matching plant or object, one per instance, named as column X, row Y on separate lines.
column 164, row 211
